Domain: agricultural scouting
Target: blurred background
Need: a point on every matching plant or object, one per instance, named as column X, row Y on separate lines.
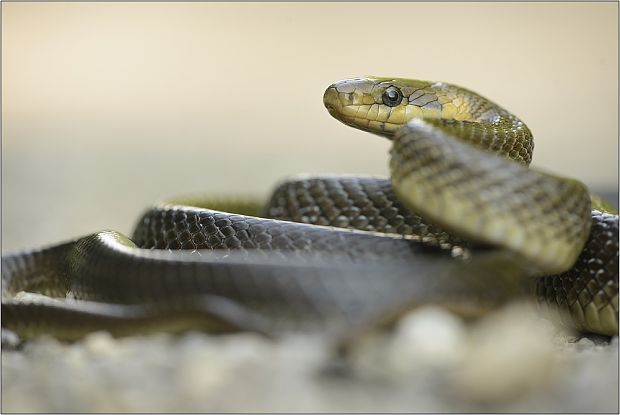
column 110, row 107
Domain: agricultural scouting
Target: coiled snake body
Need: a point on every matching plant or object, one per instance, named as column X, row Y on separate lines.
column 461, row 222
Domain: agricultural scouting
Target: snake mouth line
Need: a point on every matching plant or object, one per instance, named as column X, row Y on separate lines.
column 346, row 117
column 363, row 124
column 336, row 106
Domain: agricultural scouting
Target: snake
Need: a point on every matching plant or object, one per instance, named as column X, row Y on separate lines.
column 461, row 222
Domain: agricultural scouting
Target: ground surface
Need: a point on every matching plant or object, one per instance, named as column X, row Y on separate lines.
column 432, row 362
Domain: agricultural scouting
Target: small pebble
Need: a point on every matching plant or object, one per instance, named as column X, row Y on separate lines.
column 100, row 343
column 508, row 354
column 430, row 336
column 10, row 340
column 584, row 343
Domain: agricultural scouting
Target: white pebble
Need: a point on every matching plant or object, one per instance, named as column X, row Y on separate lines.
column 100, row 343
column 508, row 353
column 429, row 336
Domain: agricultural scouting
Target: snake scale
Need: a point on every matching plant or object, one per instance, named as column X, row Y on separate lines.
column 462, row 222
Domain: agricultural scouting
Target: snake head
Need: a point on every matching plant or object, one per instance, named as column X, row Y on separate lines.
column 382, row 105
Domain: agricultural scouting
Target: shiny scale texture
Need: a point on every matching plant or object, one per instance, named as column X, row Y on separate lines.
column 461, row 223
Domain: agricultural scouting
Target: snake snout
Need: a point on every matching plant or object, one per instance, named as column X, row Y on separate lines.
column 345, row 93
column 343, row 98
column 333, row 101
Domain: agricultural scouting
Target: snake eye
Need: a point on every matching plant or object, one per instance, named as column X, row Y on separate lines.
column 392, row 96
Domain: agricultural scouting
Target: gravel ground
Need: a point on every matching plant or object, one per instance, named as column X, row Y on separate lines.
column 510, row 361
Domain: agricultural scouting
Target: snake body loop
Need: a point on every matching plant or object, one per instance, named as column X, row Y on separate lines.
column 462, row 222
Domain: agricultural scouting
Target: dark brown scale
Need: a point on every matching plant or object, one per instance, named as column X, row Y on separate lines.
column 369, row 204
column 592, row 282
column 223, row 231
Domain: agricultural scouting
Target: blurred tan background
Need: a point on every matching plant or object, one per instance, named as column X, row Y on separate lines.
column 110, row 107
